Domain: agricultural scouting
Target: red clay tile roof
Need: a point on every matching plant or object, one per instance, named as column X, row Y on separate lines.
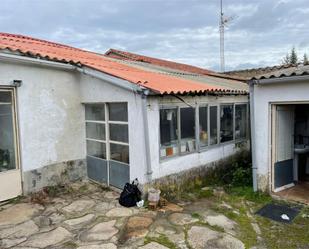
column 158, row 83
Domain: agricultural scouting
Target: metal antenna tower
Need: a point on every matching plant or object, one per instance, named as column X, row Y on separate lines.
column 221, row 28
column 223, row 23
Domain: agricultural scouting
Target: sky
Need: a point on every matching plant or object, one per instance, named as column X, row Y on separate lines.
column 260, row 33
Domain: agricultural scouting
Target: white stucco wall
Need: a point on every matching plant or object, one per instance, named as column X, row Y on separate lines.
column 264, row 95
column 52, row 126
column 94, row 90
column 50, row 114
column 180, row 163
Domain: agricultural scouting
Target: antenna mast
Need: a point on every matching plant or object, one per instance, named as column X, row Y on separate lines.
column 221, row 28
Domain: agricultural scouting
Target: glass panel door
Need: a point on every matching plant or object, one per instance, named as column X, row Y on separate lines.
column 7, row 133
column 10, row 175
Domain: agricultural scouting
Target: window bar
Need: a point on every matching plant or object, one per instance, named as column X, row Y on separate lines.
column 197, row 128
column 218, row 124
column 234, row 122
column 179, row 130
column 208, row 125
column 107, row 139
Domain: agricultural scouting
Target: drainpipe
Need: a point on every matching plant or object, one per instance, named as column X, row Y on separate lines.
column 145, row 93
column 252, row 124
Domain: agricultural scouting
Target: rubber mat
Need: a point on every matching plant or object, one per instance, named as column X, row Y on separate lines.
column 281, row 213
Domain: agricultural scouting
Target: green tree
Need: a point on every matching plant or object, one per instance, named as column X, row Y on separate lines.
column 290, row 58
column 293, row 57
column 305, row 59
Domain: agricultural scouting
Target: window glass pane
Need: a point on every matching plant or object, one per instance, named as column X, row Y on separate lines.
column 168, row 132
column 95, row 131
column 203, row 126
column 95, row 112
column 187, row 124
column 5, row 97
column 213, row 124
column 119, row 152
column 119, row 132
column 7, row 147
column 240, row 121
column 96, row 149
column 226, row 123
column 118, row 112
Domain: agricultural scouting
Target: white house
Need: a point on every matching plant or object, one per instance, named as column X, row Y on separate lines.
column 67, row 114
column 280, row 132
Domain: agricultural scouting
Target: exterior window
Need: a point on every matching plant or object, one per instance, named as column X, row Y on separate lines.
column 213, row 125
column 96, row 149
column 95, row 112
column 95, row 130
column 241, row 121
column 118, row 112
column 168, row 132
column 226, row 123
column 7, row 132
column 118, row 136
column 119, row 152
column 187, row 131
column 119, row 132
column 203, row 132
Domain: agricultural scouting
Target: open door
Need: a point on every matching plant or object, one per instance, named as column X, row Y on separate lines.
column 284, row 147
column 10, row 176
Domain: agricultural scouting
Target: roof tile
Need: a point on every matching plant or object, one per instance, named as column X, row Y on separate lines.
column 158, row 83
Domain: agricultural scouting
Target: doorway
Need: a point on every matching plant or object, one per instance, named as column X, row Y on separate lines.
column 290, row 153
column 10, row 175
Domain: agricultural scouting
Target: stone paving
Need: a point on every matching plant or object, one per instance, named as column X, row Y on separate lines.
column 90, row 218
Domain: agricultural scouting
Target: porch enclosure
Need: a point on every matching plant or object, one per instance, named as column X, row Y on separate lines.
column 189, row 129
column 107, row 141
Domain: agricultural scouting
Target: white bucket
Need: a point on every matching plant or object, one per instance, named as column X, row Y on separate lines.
column 154, row 195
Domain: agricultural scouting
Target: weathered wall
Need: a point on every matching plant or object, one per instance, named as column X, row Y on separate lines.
column 263, row 97
column 51, row 118
column 182, row 163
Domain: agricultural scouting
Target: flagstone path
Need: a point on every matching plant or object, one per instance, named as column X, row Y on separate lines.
column 91, row 218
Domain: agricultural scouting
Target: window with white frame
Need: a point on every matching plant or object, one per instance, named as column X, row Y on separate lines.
column 118, row 131
column 95, row 130
column 203, row 129
column 226, row 123
column 107, row 132
column 241, row 121
column 187, row 130
column 169, row 132
column 213, row 125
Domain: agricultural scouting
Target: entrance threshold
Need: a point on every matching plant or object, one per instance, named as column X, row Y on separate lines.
column 298, row 193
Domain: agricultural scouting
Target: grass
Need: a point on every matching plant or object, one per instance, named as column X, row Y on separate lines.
column 162, row 239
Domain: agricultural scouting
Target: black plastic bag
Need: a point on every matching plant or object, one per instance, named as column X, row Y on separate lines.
column 130, row 194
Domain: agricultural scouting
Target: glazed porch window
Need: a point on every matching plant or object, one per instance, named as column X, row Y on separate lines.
column 213, row 125
column 187, row 130
column 168, row 132
column 226, row 123
column 203, row 129
column 241, row 121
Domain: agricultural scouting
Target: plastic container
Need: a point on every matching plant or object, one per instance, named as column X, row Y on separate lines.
column 154, row 195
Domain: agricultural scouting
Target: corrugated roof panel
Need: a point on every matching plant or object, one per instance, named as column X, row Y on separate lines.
column 157, row 82
column 285, row 72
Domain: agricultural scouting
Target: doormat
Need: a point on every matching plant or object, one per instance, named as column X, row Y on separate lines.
column 281, row 213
